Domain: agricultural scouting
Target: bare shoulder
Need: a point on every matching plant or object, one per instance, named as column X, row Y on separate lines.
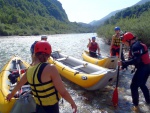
column 51, row 66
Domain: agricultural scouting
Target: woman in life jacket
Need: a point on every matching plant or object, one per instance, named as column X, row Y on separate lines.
column 45, row 82
column 115, row 44
column 140, row 58
column 93, row 47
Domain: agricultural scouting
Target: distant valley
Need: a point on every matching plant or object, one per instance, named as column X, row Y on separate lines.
column 101, row 21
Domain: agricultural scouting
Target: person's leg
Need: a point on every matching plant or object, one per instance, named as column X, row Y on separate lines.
column 122, row 55
column 139, row 80
column 113, row 52
column 142, row 82
column 145, row 93
column 134, row 89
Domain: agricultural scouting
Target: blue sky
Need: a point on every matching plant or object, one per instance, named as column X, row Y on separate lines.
column 89, row 10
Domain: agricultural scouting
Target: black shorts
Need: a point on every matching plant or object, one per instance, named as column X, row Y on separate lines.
column 47, row 109
column 93, row 54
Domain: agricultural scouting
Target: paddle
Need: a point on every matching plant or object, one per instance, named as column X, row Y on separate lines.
column 18, row 68
column 115, row 93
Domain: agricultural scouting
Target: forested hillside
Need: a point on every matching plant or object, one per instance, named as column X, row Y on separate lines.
column 134, row 19
column 34, row 17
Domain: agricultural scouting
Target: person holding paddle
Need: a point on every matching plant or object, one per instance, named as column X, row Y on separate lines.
column 45, row 82
column 93, row 47
column 139, row 57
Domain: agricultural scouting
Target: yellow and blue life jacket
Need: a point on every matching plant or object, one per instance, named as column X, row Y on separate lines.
column 117, row 41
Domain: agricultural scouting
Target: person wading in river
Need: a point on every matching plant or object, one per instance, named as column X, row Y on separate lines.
column 93, row 47
column 140, row 58
column 45, row 82
column 115, row 44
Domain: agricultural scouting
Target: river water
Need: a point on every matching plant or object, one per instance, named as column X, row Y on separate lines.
column 74, row 44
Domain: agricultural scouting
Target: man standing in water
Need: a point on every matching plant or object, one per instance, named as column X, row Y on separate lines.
column 115, row 44
column 43, row 37
column 140, row 58
column 93, row 47
column 45, row 82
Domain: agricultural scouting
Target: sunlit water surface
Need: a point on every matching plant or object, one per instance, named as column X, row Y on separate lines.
column 74, row 44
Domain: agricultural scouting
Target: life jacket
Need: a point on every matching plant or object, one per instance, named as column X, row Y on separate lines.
column 145, row 55
column 117, row 41
column 44, row 93
column 143, row 51
column 93, row 47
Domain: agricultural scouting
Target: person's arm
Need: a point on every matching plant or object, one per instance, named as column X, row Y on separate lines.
column 89, row 44
column 137, row 53
column 112, row 42
column 22, row 81
column 60, row 87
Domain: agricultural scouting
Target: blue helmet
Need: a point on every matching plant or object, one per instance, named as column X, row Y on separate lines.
column 93, row 38
column 117, row 28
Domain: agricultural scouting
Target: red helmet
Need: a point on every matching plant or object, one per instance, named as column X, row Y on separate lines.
column 43, row 46
column 128, row 36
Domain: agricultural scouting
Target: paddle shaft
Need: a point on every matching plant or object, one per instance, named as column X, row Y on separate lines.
column 118, row 69
column 115, row 93
column 18, row 67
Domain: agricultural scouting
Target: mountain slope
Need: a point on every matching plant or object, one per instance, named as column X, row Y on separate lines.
column 55, row 9
column 33, row 17
column 134, row 19
column 36, row 7
column 101, row 21
column 141, row 2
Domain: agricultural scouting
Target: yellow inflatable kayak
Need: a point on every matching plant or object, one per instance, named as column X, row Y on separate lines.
column 84, row 74
column 9, row 76
column 107, row 62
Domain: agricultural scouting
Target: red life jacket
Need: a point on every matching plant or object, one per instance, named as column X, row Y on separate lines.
column 145, row 57
column 93, row 47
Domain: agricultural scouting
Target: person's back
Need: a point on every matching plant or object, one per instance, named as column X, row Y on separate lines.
column 44, row 91
column 45, row 81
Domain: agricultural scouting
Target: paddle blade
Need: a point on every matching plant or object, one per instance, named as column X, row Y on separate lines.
column 115, row 97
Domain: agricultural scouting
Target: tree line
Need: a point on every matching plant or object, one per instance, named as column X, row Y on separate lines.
column 134, row 19
column 34, row 17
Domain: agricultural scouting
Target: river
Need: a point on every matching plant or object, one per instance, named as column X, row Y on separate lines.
column 74, row 44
